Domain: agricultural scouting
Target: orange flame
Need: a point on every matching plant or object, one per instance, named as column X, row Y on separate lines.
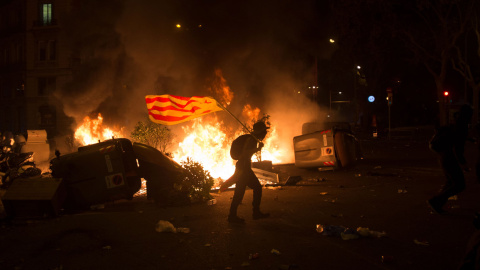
column 220, row 88
column 93, row 131
column 251, row 114
column 208, row 145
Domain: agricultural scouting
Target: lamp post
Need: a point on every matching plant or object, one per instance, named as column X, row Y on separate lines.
column 389, row 100
column 331, row 40
column 356, row 72
column 445, row 94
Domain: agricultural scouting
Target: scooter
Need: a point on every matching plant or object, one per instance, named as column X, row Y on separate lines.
column 15, row 165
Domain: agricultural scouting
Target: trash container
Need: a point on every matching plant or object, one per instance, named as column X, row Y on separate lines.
column 315, row 150
column 34, row 197
column 346, row 148
column 159, row 171
column 98, row 173
column 37, row 143
column 331, row 148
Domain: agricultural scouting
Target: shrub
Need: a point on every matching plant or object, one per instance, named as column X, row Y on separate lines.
column 195, row 182
column 153, row 134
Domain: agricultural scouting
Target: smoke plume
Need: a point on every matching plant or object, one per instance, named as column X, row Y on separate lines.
column 124, row 50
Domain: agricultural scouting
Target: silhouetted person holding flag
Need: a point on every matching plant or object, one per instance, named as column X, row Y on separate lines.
column 449, row 143
column 243, row 148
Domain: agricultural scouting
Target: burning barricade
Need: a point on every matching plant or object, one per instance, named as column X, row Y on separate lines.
column 98, row 173
column 104, row 172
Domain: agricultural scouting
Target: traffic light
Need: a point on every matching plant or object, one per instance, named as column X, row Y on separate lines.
column 445, row 93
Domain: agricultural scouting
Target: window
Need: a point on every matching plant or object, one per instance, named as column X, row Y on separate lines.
column 48, row 116
column 46, row 14
column 47, row 50
column 18, row 57
column 46, row 85
column 52, row 50
column 42, row 50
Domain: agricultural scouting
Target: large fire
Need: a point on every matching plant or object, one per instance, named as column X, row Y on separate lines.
column 204, row 140
column 208, row 144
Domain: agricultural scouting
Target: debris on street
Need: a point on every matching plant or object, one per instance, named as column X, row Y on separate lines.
column 273, row 187
column 274, row 251
column 253, row 256
column 347, row 233
column 387, row 259
column 421, row 243
column 293, row 180
column 183, row 230
column 212, row 202
column 165, row 226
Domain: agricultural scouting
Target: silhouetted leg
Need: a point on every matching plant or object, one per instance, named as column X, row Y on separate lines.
column 455, row 181
column 255, row 185
column 237, row 197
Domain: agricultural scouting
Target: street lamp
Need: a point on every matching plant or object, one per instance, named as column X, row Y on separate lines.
column 355, row 73
column 445, row 94
column 329, row 84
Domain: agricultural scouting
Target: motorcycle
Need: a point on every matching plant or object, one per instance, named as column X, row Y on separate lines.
column 14, row 164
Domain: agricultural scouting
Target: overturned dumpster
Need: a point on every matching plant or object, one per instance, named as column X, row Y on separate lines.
column 112, row 170
column 334, row 148
column 97, row 173
column 158, row 170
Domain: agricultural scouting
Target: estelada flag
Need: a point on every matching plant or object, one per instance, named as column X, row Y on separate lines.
column 171, row 110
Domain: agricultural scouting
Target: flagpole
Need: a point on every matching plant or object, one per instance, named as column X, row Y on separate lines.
column 225, row 109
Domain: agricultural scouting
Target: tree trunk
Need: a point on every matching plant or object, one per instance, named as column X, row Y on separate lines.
column 443, row 102
column 475, row 93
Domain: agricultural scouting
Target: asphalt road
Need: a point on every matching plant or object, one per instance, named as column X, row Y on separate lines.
column 385, row 192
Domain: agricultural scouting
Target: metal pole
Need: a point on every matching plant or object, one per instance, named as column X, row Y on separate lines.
column 245, row 127
column 389, row 126
column 330, row 91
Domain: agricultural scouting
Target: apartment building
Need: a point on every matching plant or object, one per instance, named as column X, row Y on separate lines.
column 35, row 60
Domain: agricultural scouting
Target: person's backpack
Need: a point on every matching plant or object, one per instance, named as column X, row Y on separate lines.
column 237, row 146
column 442, row 140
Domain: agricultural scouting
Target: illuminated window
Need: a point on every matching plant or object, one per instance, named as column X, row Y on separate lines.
column 47, row 14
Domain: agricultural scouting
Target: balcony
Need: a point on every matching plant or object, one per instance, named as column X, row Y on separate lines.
column 39, row 24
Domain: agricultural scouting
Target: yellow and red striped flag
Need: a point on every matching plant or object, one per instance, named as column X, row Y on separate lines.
column 171, row 110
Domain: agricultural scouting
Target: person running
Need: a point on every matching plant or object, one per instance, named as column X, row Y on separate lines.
column 449, row 142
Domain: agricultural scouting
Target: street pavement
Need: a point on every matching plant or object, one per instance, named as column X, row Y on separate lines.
column 385, row 192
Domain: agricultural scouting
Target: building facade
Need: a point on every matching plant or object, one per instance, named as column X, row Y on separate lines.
column 35, row 60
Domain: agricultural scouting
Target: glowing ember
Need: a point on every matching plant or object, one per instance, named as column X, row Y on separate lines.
column 93, row 131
